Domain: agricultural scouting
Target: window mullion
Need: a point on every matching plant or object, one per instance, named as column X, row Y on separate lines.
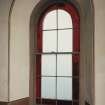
column 56, row 53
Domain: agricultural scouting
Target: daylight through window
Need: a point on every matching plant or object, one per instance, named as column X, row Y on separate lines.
column 57, row 59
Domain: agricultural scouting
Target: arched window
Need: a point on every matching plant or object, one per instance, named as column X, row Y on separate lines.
column 57, row 60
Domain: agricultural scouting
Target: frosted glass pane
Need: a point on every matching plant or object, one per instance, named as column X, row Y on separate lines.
column 64, row 88
column 48, row 66
column 64, row 19
column 65, row 40
column 50, row 21
column 64, row 65
column 49, row 41
column 48, row 88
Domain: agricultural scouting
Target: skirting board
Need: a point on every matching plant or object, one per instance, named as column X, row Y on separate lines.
column 24, row 101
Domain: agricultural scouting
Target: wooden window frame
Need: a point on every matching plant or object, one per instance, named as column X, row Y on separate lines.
column 76, row 44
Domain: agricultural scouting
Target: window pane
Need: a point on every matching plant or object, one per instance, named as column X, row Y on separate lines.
column 64, row 88
column 64, row 19
column 50, row 21
column 65, row 40
column 48, row 87
column 49, row 41
column 64, row 65
column 48, row 66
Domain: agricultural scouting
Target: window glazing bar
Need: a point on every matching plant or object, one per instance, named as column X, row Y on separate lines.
column 75, row 77
column 49, row 53
column 57, row 29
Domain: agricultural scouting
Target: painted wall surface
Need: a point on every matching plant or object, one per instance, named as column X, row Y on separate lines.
column 4, row 13
column 19, row 48
column 99, row 52
column 86, row 41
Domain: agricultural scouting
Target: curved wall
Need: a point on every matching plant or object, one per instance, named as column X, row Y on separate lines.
column 87, row 42
column 99, row 52
column 4, row 15
column 19, row 48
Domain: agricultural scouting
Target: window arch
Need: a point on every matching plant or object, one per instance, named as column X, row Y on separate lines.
column 57, row 56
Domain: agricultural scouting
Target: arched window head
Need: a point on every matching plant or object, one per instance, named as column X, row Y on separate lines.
column 52, row 15
column 57, row 62
column 57, row 23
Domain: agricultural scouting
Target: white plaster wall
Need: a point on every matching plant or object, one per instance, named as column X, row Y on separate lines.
column 19, row 58
column 4, row 13
column 19, row 48
column 99, row 52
